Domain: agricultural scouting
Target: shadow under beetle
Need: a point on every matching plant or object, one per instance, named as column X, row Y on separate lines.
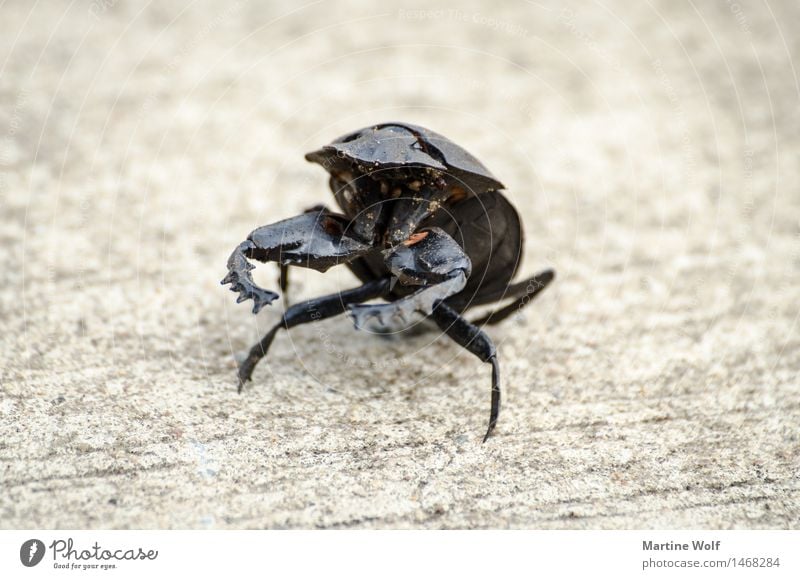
column 424, row 226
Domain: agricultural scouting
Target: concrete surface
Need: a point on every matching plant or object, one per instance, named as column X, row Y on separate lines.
column 651, row 148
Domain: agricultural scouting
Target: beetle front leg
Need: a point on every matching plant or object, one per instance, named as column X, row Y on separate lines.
column 431, row 260
column 241, row 281
column 316, row 240
column 283, row 275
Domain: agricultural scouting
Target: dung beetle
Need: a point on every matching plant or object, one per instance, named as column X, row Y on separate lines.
column 423, row 226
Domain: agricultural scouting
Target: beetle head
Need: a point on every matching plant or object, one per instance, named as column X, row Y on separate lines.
column 375, row 148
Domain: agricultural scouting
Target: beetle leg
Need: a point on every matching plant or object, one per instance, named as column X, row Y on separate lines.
column 241, row 281
column 317, row 240
column 310, row 311
column 523, row 292
column 283, row 275
column 401, row 311
column 429, row 259
column 283, row 281
column 477, row 342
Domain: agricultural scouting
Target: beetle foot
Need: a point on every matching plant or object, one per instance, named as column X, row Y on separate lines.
column 402, row 311
column 260, row 296
column 396, row 314
column 240, row 280
column 391, row 315
column 245, row 372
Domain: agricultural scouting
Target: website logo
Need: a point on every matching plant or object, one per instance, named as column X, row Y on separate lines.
column 31, row 552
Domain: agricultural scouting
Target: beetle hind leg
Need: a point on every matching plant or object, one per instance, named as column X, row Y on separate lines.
column 523, row 293
column 477, row 342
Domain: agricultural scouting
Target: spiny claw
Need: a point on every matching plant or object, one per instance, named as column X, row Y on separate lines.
column 358, row 316
column 261, row 298
column 382, row 317
column 361, row 314
column 239, row 277
column 399, row 312
column 402, row 314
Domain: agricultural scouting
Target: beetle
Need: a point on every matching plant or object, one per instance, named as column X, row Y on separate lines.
column 423, row 225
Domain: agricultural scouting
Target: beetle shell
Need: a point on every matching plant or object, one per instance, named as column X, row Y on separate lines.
column 392, row 146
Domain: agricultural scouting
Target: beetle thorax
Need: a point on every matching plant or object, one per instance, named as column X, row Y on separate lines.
column 387, row 206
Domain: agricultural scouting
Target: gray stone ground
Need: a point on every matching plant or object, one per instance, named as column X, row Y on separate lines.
column 652, row 149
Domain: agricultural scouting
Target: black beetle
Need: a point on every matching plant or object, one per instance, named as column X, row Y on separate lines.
column 424, row 227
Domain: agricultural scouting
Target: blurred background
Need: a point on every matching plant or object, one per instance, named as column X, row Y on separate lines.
column 651, row 149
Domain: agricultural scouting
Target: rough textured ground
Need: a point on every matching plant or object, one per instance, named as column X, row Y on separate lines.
column 652, row 149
